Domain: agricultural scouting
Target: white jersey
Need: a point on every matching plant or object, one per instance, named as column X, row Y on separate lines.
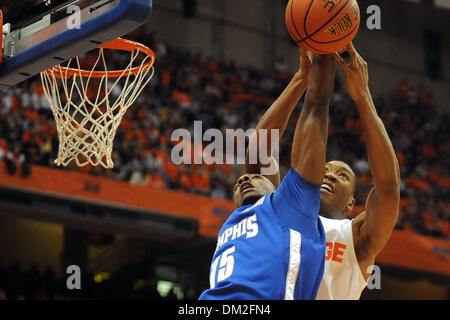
column 342, row 277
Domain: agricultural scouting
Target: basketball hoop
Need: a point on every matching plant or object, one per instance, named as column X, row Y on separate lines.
column 87, row 114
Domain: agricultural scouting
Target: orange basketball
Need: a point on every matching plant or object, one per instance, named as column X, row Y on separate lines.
column 322, row 26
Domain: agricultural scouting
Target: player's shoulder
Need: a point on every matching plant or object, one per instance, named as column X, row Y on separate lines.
column 293, row 176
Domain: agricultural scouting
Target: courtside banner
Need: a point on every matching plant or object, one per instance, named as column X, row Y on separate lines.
column 410, row 250
column 405, row 249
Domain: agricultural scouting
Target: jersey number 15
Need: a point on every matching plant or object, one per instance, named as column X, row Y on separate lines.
column 226, row 266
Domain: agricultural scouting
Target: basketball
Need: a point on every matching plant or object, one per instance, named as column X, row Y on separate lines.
column 322, row 26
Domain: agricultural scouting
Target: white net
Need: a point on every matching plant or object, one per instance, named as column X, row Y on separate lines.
column 88, row 110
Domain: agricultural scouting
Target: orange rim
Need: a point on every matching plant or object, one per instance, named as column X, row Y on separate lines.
column 117, row 44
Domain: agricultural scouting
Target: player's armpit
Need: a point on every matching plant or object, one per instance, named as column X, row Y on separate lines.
column 361, row 241
column 373, row 228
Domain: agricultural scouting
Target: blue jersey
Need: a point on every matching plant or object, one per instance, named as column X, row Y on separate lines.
column 272, row 250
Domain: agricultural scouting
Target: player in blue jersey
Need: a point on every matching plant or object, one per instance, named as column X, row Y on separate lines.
column 362, row 238
column 273, row 245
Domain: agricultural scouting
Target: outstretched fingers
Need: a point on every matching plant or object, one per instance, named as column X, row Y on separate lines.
column 351, row 50
column 355, row 58
column 305, row 54
column 305, row 60
column 339, row 59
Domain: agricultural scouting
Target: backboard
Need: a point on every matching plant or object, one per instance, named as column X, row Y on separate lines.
column 58, row 30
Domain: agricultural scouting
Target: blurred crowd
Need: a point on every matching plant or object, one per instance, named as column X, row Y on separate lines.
column 188, row 87
column 420, row 138
column 18, row 283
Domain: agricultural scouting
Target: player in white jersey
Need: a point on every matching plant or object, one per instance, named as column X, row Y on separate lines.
column 352, row 245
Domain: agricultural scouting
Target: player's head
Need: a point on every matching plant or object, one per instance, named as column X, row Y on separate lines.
column 249, row 188
column 337, row 190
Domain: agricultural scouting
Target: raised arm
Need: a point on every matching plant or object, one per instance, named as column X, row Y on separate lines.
column 375, row 225
column 310, row 138
column 276, row 118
